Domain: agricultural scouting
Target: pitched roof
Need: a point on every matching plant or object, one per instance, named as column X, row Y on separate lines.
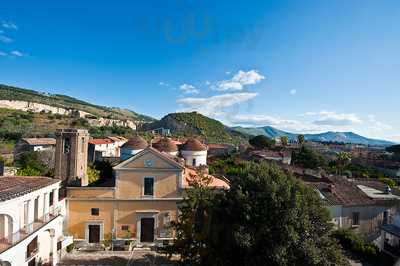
column 193, row 145
column 117, row 138
column 191, row 174
column 162, row 155
column 16, row 186
column 40, row 141
column 165, row 145
column 100, row 141
column 339, row 191
column 135, row 143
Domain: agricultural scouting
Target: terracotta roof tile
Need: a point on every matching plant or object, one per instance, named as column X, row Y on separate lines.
column 191, row 174
column 16, row 186
column 40, row 141
column 136, row 143
column 193, row 145
column 100, row 141
column 165, row 145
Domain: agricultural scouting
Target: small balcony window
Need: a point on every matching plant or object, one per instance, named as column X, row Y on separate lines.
column 356, row 219
column 51, row 198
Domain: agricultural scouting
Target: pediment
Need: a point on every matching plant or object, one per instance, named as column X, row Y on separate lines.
column 149, row 158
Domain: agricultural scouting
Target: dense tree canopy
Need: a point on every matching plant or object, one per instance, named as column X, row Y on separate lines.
column 266, row 218
column 261, row 142
column 308, row 158
column 394, row 148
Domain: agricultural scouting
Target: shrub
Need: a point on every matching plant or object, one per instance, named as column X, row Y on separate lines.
column 388, row 181
column 350, row 241
column 70, row 247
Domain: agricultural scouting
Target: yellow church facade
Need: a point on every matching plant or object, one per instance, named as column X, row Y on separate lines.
column 148, row 188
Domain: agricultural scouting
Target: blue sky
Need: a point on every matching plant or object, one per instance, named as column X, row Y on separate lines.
column 303, row 66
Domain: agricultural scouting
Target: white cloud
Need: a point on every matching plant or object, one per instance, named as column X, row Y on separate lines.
column 161, row 83
column 215, row 105
column 262, row 120
column 9, row 25
column 188, row 89
column 17, row 53
column 3, row 53
column 325, row 118
column 378, row 125
column 239, row 80
column 5, row 39
column 293, row 92
column 207, row 83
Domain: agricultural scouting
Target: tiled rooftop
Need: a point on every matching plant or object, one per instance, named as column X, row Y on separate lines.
column 16, row 186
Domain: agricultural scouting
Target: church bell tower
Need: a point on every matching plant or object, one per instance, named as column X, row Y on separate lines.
column 71, row 156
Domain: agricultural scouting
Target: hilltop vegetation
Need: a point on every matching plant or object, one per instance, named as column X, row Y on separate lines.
column 66, row 102
column 195, row 124
column 15, row 124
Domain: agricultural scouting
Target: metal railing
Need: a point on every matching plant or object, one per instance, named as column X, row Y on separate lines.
column 28, row 229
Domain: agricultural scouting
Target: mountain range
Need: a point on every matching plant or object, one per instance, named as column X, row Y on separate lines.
column 180, row 124
column 330, row 136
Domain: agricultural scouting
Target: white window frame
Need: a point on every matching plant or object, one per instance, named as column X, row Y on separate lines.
column 154, row 187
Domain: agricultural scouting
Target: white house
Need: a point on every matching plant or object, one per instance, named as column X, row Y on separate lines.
column 31, row 221
column 105, row 148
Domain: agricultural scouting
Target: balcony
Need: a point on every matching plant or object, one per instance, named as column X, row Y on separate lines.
column 28, row 230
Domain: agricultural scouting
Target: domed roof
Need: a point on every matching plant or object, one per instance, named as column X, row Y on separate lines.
column 135, row 143
column 193, row 145
column 165, row 145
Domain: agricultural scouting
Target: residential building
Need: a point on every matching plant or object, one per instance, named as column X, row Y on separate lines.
column 284, row 157
column 149, row 185
column 31, row 221
column 33, row 144
column 362, row 206
column 105, row 149
column 215, row 149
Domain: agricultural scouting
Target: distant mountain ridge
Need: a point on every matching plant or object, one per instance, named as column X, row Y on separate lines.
column 330, row 136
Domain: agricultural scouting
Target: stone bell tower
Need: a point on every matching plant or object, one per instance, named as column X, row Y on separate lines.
column 71, row 156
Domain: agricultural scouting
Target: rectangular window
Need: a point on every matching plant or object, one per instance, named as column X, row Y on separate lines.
column 125, row 227
column 95, row 211
column 194, row 162
column 51, row 198
column 149, row 186
column 356, row 218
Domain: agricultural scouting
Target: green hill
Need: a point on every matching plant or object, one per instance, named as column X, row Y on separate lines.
column 195, row 124
column 66, row 102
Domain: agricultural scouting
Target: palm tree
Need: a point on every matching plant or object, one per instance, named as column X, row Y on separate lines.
column 301, row 139
column 343, row 159
column 284, row 140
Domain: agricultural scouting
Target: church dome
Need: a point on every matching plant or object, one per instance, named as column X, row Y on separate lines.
column 165, row 145
column 193, row 145
column 135, row 143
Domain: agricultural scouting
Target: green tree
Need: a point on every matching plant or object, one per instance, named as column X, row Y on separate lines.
column 93, row 174
column 261, row 142
column 30, row 164
column 301, row 139
column 394, row 149
column 284, row 140
column 308, row 158
column 342, row 161
column 266, row 218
